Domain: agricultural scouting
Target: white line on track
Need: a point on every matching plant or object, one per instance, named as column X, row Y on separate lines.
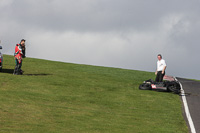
column 187, row 112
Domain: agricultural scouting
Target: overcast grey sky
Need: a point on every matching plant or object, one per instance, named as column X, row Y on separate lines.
column 115, row 33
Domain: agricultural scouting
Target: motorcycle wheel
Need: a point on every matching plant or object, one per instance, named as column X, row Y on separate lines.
column 174, row 89
column 145, row 86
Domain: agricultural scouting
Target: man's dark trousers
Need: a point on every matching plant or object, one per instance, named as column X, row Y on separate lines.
column 159, row 77
column 18, row 66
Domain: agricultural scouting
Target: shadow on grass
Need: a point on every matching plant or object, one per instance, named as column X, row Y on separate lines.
column 10, row 71
column 165, row 91
column 42, row 74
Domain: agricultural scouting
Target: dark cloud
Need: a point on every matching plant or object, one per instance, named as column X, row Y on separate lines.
column 127, row 34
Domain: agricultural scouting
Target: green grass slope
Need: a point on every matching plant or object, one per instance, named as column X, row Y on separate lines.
column 55, row 97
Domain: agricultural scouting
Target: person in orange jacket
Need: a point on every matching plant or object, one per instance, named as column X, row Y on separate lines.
column 19, row 54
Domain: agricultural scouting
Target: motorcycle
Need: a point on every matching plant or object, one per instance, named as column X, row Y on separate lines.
column 167, row 86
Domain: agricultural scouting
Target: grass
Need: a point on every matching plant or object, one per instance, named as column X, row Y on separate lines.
column 194, row 80
column 55, row 97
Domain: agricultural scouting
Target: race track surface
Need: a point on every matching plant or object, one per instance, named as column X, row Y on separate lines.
column 192, row 93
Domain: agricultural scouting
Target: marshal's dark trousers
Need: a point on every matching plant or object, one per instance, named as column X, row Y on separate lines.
column 18, row 66
column 159, row 77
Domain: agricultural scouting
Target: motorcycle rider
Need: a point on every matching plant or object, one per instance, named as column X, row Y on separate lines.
column 19, row 54
column 161, row 67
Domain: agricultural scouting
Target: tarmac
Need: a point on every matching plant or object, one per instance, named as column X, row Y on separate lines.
column 192, row 94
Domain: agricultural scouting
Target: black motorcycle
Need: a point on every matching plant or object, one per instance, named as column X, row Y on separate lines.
column 168, row 86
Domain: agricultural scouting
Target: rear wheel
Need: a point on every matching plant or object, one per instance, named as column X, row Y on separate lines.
column 145, row 86
column 174, row 87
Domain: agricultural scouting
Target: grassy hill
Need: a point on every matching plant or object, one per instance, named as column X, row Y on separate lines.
column 55, row 97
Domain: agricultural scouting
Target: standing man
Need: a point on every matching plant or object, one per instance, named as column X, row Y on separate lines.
column 161, row 67
column 19, row 54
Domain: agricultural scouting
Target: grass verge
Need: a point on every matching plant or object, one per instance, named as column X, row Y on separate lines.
column 55, row 97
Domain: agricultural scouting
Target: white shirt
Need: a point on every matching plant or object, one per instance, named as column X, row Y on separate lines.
column 160, row 65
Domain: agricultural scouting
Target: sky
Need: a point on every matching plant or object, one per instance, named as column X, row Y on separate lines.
column 115, row 33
